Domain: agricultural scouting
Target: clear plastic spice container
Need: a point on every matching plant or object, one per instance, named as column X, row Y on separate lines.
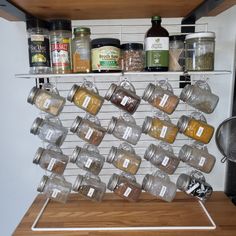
column 55, row 187
column 197, row 157
column 132, row 57
column 200, row 51
column 124, row 158
column 163, row 99
column 88, row 158
column 159, row 185
column 123, row 96
column 125, row 128
column 48, row 101
column 90, row 187
column 194, row 185
column 88, row 129
column 200, row 96
column 50, row 131
column 124, row 187
column 162, row 157
column 86, row 97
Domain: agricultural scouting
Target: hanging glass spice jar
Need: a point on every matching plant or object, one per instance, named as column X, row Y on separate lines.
column 124, row 158
column 88, row 129
column 86, row 97
column 123, row 96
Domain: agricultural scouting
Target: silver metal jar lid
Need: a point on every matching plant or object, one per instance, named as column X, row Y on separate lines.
column 113, row 182
column 111, row 125
column 148, row 91
column 147, row 124
column 200, row 35
column 185, row 152
column 36, row 124
column 75, row 154
column 42, row 183
column 186, row 93
column 183, row 123
column 183, row 182
column 149, row 153
column 112, row 154
column 32, row 94
column 38, row 155
column 77, row 182
column 110, row 91
column 147, row 182
column 72, row 92
column 76, row 124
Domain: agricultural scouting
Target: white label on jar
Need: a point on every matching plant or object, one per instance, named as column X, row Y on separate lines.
column 200, row 131
column 55, row 193
column 126, row 163
column 127, row 192
column 51, row 164
column 86, row 101
column 156, row 43
column 163, row 132
column 37, row 37
column 90, row 192
column 202, row 161
column 165, row 161
column 124, row 100
column 49, row 134
column 46, row 103
column 163, row 191
column 89, row 133
column 163, row 100
column 88, row 163
column 127, row 132
column 192, row 188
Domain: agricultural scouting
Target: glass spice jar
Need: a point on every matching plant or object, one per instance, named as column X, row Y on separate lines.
column 124, row 158
column 163, row 99
column 123, row 96
column 51, row 160
column 48, row 131
column 85, row 98
column 90, row 188
column 164, row 159
column 88, row 158
column 160, row 129
column 200, row 96
column 47, row 101
column 132, row 56
column 195, row 129
column 91, row 132
column 124, row 187
column 55, row 187
column 125, row 128
column 199, row 158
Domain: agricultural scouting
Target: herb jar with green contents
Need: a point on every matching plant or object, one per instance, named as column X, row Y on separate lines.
column 200, row 51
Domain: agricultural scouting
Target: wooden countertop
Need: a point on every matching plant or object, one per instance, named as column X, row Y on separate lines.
column 115, row 212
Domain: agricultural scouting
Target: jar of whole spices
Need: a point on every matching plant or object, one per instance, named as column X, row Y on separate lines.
column 162, row 157
column 132, row 57
column 55, row 187
column 48, row 131
column 86, row 97
column 124, row 187
column 50, row 160
column 60, row 44
column 88, row 158
column 125, row 128
column 88, row 130
column 200, row 96
column 123, row 96
column 163, row 99
column 124, row 158
column 48, row 101
column 90, row 188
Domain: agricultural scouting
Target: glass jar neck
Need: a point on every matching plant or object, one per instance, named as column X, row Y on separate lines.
column 156, row 23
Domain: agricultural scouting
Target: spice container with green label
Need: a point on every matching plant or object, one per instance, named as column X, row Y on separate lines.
column 38, row 45
column 51, row 160
column 105, row 55
column 90, row 187
column 157, row 47
column 88, row 130
column 124, row 187
column 88, row 158
column 123, row 96
column 124, row 158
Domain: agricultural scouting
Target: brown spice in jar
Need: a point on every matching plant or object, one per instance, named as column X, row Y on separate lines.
column 89, row 192
column 93, row 166
column 133, row 60
column 54, row 166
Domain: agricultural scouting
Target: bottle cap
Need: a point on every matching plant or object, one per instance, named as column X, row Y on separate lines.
column 156, row 18
column 38, row 155
column 84, row 30
column 72, row 92
column 185, row 152
column 32, row 22
column 32, row 94
column 111, row 154
column 42, row 183
column 147, row 124
column 75, row 154
column 76, row 124
column 77, row 183
column 110, row 91
column 148, row 91
column 186, row 92
column 111, row 125
column 183, row 182
column 60, row 24
column 149, row 153
column 183, row 123
column 36, row 124
column 113, row 182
